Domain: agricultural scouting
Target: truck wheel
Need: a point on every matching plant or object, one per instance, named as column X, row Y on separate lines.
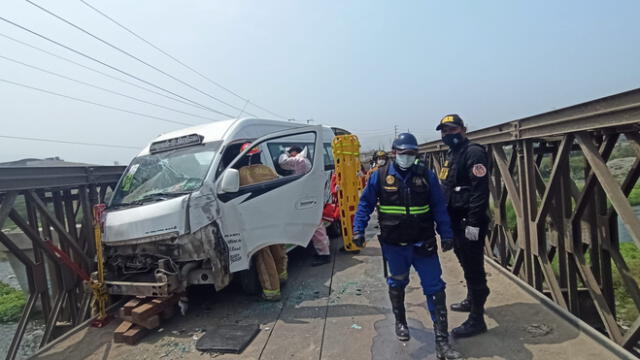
column 249, row 280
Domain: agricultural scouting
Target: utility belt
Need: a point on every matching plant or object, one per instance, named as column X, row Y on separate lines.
column 420, row 248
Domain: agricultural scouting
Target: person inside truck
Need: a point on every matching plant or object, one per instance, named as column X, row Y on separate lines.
column 271, row 262
column 295, row 159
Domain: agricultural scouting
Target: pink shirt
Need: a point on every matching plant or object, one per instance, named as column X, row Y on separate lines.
column 299, row 164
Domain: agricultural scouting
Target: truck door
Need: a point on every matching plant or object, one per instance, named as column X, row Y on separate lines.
column 280, row 207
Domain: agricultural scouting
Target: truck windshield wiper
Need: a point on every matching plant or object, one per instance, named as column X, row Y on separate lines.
column 119, row 205
column 160, row 196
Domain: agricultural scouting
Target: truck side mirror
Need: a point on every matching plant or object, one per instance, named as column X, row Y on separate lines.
column 230, row 181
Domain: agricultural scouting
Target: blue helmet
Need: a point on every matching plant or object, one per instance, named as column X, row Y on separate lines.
column 405, row 141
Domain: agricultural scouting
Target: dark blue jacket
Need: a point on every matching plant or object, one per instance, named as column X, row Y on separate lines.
column 369, row 199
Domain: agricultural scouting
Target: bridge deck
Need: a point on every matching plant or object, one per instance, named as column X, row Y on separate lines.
column 341, row 311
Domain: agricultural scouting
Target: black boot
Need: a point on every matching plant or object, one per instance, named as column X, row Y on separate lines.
column 475, row 324
column 397, row 304
column 440, row 327
column 462, row 306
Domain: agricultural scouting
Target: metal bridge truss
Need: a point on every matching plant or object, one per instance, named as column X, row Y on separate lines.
column 53, row 208
column 565, row 239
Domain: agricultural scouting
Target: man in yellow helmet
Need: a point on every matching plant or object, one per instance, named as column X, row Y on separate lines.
column 271, row 261
column 380, row 159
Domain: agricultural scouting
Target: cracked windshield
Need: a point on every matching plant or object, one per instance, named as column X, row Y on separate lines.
column 166, row 174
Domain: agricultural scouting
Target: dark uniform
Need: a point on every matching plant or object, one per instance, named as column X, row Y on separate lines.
column 410, row 204
column 465, row 183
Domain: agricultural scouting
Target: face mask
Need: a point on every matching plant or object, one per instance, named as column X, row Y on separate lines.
column 452, row 140
column 381, row 162
column 405, row 161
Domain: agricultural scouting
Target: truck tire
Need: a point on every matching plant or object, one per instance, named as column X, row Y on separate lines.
column 249, row 281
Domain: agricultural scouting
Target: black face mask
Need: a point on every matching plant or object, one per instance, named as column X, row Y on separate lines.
column 452, row 140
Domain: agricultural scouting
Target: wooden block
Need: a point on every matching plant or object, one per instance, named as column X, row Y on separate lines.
column 130, row 305
column 122, row 316
column 156, row 306
column 134, row 335
column 120, row 331
column 149, row 323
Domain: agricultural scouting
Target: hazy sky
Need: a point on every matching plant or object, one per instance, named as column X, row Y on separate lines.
column 362, row 65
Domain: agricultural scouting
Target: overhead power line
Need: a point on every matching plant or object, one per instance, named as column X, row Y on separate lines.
column 125, row 28
column 92, row 102
column 66, row 59
column 68, row 142
column 101, row 88
column 135, row 57
column 111, row 66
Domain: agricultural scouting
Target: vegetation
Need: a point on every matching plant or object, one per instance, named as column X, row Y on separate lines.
column 634, row 196
column 12, row 302
column 626, row 309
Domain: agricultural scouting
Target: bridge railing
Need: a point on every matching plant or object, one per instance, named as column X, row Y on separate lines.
column 42, row 210
column 556, row 197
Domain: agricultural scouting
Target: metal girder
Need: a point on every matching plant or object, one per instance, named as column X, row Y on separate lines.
column 25, row 178
column 558, row 221
column 611, row 111
column 66, row 191
column 609, row 183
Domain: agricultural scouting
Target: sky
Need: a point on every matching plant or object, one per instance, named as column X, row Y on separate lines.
column 366, row 66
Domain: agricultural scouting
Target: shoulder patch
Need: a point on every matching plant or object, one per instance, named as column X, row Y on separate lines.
column 479, row 170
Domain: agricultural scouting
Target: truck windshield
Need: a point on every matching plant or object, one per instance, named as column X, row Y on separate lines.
column 167, row 174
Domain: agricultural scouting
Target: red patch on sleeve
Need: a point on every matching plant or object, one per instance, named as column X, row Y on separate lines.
column 479, row 170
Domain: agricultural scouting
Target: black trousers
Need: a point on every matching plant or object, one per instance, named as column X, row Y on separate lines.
column 471, row 257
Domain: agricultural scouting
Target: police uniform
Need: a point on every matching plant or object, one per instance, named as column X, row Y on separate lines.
column 464, row 178
column 410, row 204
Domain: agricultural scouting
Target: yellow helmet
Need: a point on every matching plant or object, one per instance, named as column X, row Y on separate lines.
column 380, row 154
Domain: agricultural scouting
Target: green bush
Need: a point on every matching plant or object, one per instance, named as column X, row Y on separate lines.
column 626, row 308
column 634, row 196
column 12, row 302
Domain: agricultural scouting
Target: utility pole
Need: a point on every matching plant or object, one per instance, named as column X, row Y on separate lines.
column 309, row 120
column 395, row 131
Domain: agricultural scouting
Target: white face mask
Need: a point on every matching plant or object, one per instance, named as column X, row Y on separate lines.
column 381, row 162
column 405, row 161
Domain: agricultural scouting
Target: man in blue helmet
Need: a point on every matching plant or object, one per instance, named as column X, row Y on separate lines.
column 410, row 204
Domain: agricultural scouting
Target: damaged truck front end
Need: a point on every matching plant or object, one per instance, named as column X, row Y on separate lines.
column 160, row 234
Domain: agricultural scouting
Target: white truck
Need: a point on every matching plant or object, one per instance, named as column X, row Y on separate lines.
column 178, row 215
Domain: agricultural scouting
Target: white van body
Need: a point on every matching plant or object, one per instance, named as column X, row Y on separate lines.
column 179, row 217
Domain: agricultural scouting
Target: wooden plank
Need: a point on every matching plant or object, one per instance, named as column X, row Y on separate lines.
column 156, row 306
column 149, row 323
column 134, row 335
column 118, row 333
column 130, row 305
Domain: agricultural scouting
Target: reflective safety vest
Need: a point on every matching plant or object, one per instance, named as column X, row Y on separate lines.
column 404, row 213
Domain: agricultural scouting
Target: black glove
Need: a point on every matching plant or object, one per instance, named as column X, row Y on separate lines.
column 358, row 239
column 447, row 244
